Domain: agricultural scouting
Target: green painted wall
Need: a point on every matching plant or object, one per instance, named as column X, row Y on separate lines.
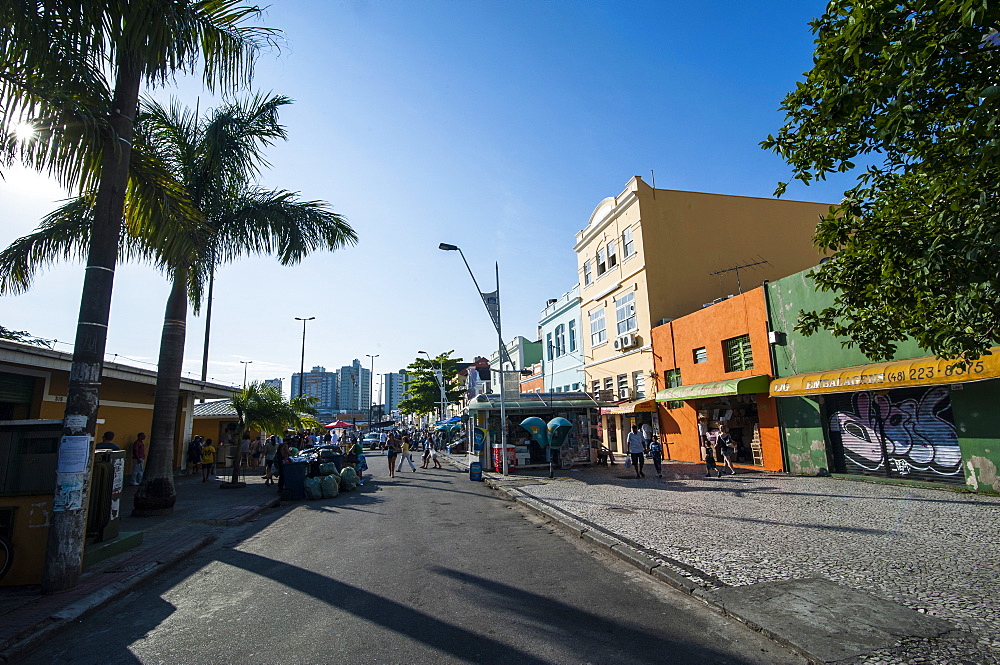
column 805, row 447
column 975, row 411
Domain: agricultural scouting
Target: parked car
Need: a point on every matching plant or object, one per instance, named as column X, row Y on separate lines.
column 370, row 441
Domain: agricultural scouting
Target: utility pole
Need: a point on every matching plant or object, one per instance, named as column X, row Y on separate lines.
column 302, row 366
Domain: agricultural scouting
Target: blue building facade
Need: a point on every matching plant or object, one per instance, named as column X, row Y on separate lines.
column 562, row 350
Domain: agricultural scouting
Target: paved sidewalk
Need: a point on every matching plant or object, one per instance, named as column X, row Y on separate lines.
column 834, row 546
column 202, row 512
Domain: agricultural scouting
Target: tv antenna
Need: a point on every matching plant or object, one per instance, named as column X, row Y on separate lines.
column 737, row 269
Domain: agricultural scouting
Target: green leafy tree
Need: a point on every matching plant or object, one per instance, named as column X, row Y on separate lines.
column 423, row 393
column 24, row 337
column 907, row 96
column 261, row 407
column 213, row 162
column 49, row 52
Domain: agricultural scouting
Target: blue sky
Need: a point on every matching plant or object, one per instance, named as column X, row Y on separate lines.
column 495, row 126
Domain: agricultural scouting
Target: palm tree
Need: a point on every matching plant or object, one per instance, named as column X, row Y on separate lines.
column 261, row 407
column 139, row 40
column 214, row 162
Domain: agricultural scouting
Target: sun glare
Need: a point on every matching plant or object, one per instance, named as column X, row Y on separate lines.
column 24, row 131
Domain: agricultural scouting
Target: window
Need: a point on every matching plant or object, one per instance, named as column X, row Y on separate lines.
column 609, row 383
column 587, row 276
column 576, row 386
column 625, row 313
column 623, row 386
column 700, row 355
column 598, row 331
column 672, row 379
column 548, row 344
column 738, row 354
column 572, row 335
column 639, row 384
column 602, row 261
column 628, row 245
column 612, row 255
column 558, row 389
column 595, row 386
column 560, row 340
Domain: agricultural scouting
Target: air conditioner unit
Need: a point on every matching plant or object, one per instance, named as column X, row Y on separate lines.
column 618, row 343
column 626, row 341
column 625, row 393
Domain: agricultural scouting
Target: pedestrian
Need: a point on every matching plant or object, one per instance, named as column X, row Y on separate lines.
column 108, row 442
column 138, row 457
column 647, row 433
column 393, row 448
column 727, row 447
column 245, row 449
column 256, row 451
column 405, row 455
column 207, row 460
column 360, row 465
column 427, row 453
column 636, row 448
column 194, row 453
column 434, row 456
column 270, row 450
column 710, row 465
column 280, row 457
column 656, row 452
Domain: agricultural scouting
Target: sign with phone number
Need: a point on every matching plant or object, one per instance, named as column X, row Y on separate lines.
column 928, row 371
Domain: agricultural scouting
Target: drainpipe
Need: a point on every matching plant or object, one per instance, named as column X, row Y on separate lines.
column 774, row 375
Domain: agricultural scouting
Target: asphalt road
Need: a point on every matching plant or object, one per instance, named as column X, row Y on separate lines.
column 428, row 568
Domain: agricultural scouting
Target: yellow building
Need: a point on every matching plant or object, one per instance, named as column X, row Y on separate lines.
column 650, row 255
column 33, row 385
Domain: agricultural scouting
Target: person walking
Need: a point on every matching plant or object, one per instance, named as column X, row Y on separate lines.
column 405, row 455
column 194, row 454
column 710, row 465
column 138, row 457
column 636, row 448
column 207, row 460
column 427, row 453
column 434, row 455
column 256, row 451
column 270, row 450
column 727, row 446
column 280, row 456
column 393, row 448
column 245, row 450
column 656, row 452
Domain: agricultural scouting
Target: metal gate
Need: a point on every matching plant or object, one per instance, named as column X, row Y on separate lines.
column 907, row 433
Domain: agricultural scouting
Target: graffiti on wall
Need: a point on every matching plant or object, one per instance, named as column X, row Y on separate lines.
column 916, row 427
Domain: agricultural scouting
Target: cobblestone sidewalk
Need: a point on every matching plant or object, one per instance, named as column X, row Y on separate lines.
column 934, row 551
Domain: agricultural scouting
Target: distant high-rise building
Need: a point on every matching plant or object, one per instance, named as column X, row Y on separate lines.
column 275, row 383
column 320, row 384
column 353, row 387
column 395, row 384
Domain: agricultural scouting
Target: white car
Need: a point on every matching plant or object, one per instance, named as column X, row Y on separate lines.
column 370, row 440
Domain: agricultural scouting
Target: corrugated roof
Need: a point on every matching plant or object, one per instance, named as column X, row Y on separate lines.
column 214, row 409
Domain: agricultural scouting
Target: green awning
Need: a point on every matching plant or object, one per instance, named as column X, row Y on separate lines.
column 749, row 385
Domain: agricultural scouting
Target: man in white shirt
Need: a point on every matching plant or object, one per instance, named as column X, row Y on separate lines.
column 636, row 448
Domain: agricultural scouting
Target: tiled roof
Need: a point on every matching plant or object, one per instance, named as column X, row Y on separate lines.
column 216, row 408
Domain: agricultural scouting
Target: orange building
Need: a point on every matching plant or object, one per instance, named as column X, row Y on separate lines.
column 716, row 366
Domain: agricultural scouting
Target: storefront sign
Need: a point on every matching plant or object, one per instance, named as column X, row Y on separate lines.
column 647, row 406
column 927, row 371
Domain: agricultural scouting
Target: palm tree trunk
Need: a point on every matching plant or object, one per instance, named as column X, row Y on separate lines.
column 156, row 493
column 67, row 526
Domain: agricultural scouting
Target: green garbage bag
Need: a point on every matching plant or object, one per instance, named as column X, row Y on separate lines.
column 329, row 487
column 348, row 479
column 327, row 468
column 313, row 490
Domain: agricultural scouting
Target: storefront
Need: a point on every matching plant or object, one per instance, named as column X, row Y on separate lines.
column 620, row 418
column 903, row 419
column 698, row 413
column 578, row 408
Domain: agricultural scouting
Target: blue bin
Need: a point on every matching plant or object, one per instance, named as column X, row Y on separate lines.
column 295, row 479
column 476, row 471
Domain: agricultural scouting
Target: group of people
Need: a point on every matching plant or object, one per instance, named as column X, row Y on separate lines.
column 723, row 449
column 400, row 446
column 644, row 442
column 201, row 456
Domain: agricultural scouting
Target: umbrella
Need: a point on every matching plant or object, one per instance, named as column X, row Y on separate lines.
column 340, row 424
column 453, row 419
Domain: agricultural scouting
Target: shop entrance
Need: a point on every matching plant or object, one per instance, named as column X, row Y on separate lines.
column 738, row 416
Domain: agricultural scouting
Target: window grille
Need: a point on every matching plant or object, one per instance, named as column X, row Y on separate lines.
column 738, row 354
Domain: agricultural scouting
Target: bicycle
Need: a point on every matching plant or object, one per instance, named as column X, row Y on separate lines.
column 6, row 555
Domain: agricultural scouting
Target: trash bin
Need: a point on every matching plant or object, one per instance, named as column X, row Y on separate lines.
column 476, row 471
column 295, row 479
column 104, row 513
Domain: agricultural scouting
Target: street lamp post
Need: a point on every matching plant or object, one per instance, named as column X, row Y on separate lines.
column 246, row 363
column 302, row 366
column 494, row 313
column 371, row 385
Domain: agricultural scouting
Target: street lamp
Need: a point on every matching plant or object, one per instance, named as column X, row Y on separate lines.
column 371, row 384
column 439, row 379
column 302, row 367
column 492, row 303
column 245, row 363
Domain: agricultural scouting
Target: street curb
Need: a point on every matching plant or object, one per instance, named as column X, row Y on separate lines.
column 86, row 606
column 243, row 516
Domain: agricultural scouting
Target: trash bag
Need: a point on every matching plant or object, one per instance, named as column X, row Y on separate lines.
column 348, row 479
column 327, row 468
column 313, row 490
column 329, row 487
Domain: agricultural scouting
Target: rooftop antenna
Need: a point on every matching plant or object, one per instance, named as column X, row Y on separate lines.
column 736, row 269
